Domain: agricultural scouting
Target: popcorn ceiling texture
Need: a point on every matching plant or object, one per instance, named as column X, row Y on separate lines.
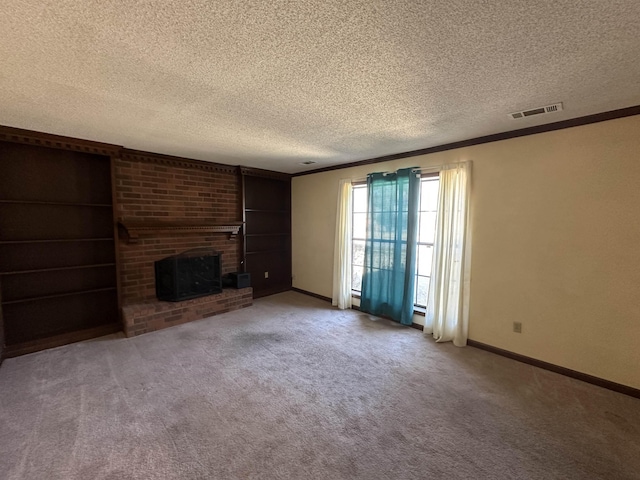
column 271, row 84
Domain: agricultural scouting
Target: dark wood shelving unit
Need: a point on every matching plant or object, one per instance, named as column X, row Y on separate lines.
column 10, row 242
column 58, row 268
column 260, row 252
column 58, row 295
column 267, row 232
column 64, row 204
column 263, row 210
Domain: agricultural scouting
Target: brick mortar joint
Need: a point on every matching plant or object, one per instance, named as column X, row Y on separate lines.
column 162, row 320
column 140, row 309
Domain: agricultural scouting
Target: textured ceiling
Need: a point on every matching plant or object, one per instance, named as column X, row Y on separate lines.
column 273, row 83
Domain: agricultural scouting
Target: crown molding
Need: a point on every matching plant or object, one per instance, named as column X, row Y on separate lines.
column 171, row 161
column 259, row 172
column 40, row 139
column 523, row 132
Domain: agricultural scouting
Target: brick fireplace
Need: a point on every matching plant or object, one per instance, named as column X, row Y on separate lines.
column 158, row 190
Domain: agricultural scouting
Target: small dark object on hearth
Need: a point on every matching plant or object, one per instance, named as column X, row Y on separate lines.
column 236, row 280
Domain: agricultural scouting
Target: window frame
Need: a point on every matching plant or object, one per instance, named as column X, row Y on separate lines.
column 424, row 177
column 354, row 186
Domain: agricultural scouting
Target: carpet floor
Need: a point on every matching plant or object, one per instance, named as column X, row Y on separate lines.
column 293, row 389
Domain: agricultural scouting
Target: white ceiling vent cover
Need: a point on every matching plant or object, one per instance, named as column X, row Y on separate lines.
column 556, row 107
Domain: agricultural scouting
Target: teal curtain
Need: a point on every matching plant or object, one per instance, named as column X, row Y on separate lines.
column 388, row 280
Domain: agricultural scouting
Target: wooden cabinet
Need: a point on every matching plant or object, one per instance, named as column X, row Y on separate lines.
column 58, row 280
column 1, row 331
column 267, row 230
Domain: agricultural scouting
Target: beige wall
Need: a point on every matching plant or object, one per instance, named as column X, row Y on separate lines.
column 556, row 243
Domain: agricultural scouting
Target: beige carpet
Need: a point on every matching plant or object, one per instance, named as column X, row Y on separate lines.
column 291, row 388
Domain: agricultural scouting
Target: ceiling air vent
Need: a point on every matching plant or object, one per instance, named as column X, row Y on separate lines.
column 556, row 107
column 308, row 162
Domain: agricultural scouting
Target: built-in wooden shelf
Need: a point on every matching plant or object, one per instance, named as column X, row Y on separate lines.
column 56, row 269
column 57, row 240
column 266, row 201
column 274, row 250
column 263, row 210
column 266, row 234
column 61, row 339
column 64, row 204
column 59, row 295
column 134, row 229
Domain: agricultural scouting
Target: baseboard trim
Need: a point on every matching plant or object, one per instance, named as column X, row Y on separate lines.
column 270, row 291
column 311, row 294
column 59, row 340
column 600, row 382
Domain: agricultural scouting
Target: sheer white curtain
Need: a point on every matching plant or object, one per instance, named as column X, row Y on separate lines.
column 342, row 249
column 447, row 316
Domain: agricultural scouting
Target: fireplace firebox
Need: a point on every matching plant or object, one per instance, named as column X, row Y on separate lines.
column 191, row 274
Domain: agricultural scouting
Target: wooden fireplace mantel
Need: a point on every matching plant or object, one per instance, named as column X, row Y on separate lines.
column 136, row 228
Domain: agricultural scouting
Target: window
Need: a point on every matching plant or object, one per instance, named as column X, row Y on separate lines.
column 358, row 234
column 426, row 234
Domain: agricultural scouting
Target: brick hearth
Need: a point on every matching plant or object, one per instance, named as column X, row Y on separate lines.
column 148, row 317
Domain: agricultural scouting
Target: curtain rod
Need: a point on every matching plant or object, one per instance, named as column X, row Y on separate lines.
column 434, row 168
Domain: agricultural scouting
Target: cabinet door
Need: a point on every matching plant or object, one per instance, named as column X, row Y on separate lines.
column 1, row 329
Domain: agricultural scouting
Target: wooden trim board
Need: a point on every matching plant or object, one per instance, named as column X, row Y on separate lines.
column 600, row 382
column 59, row 340
column 311, row 294
column 523, row 132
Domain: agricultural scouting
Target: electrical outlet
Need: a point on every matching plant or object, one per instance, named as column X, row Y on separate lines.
column 517, row 327
column 266, row 274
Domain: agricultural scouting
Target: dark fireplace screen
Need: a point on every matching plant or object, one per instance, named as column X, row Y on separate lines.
column 190, row 274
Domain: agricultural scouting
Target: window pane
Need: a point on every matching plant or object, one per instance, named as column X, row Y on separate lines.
column 360, row 199
column 429, row 195
column 422, row 290
column 356, row 278
column 359, row 225
column 382, row 238
column 427, row 227
column 425, row 254
column 358, row 252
